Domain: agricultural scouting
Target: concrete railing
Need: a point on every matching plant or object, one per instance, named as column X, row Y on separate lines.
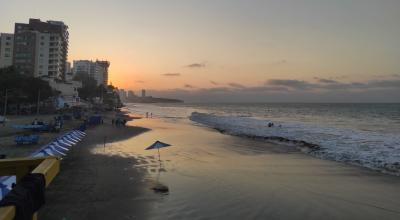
column 48, row 166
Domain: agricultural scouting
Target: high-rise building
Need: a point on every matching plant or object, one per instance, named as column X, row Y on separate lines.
column 131, row 94
column 143, row 93
column 98, row 70
column 122, row 94
column 6, row 49
column 41, row 48
column 67, row 67
column 101, row 74
column 83, row 66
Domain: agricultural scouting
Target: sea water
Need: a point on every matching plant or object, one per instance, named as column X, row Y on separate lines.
column 367, row 135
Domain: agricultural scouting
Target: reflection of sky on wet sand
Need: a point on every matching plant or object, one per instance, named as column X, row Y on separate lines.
column 215, row 176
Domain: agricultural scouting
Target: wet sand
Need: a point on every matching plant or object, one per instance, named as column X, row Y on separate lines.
column 210, row 176
column 96, row 186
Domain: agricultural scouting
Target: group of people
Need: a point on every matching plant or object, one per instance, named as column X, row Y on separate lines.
column 149, row 114
column 54, row 125
column 119, row 122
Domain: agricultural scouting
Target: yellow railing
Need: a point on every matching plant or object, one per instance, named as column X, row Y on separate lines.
column 19, row 167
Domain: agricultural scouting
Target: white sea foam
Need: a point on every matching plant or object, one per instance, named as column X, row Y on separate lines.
column 378, row 151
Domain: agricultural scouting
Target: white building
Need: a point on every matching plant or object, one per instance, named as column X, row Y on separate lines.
column 83, row 66
column 96, row 69
column 68, row 91
column 41, row 48
column 41, row 67
column 68, row 67
column 6, row 49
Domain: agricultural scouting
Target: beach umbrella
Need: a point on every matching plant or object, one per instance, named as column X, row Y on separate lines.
column 157, row 145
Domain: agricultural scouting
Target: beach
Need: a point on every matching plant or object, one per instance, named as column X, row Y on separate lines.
column 210, row 176
column 8, row 133
column 95, row 186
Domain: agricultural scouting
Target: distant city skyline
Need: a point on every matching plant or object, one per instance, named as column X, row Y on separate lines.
column 273, row 51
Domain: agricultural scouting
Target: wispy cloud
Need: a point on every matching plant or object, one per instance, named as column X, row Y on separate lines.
column 171, row 74
column 321, row 80
column 188, row 86
column 325, row 84
column 214, row 83
column 196, row 65
column 140, row 81
column 236, row 85
column 279, row 62
column 290, row 83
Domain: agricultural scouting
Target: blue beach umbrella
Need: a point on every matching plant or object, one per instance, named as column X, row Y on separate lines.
column 157, row 145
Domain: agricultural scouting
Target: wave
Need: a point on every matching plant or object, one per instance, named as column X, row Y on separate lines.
column 377, row 151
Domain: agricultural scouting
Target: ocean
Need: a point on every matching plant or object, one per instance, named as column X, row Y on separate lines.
column 366, row 135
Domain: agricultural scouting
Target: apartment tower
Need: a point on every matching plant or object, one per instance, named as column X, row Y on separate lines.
column 41, row 48
column 6, row 49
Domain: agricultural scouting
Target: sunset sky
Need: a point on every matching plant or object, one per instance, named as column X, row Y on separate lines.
column 227, row 50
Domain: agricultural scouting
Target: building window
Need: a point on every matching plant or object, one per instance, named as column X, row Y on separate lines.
column 8, row 49
column 8, row 43
column 6, row 55
column 8, row 38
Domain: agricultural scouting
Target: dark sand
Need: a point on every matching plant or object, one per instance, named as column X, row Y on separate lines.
column 95, row 186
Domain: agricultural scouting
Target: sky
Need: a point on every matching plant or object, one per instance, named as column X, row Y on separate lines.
column 234, row 51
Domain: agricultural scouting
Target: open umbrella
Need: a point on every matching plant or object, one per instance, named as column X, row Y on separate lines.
column 157, row 145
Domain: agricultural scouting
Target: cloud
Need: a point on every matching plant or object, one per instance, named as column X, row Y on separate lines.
column 290, row 90
column 291, row 83
column 196, row 65
column 326, row 84
column 171, row 74
column 214, row 83
column 327, row 81
column 189, row 86
column 139, row 81
column 236, row 85
column 384, row 84
column 279, row 62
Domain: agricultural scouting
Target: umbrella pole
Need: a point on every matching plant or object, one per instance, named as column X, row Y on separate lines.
column 159, row 157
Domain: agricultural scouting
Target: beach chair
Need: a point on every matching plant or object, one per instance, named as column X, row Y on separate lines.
column 28, row 139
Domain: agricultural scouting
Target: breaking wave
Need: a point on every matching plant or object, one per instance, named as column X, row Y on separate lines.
column 377, row 151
